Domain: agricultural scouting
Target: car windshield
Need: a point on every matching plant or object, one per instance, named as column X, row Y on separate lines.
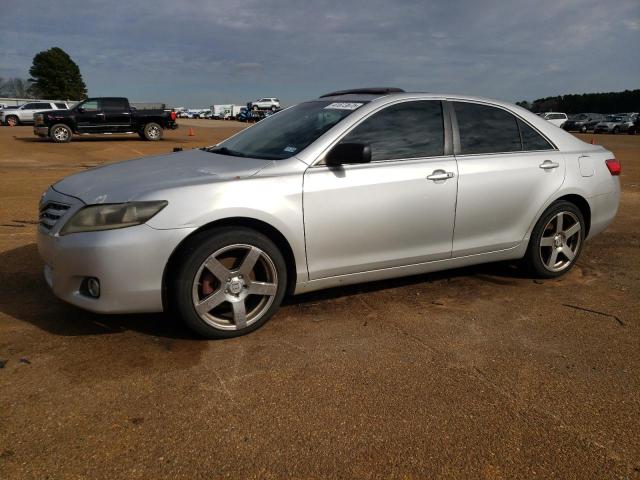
column 288, row 132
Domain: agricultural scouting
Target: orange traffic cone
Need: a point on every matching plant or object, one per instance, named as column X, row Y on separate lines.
column 593, row 141
column 191, row 134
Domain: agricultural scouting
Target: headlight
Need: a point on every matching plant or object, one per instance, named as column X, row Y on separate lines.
column 93, row 218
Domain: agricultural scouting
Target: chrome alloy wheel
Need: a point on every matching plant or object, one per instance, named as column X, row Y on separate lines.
column 153, row 132
column 560, row 241
column 61, row 134
column 234, row 287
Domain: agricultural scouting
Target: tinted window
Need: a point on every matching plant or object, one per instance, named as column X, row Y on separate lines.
column 42, row 106
column 30, row 106
column 485, row 129
column 114, row 105
column 404, row 130
column 61, row 106
column 532, row 140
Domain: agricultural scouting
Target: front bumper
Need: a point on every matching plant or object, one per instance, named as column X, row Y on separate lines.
column 41, row 131
column 128, row 262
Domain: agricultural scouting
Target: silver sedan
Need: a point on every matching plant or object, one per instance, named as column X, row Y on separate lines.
column 355, row 186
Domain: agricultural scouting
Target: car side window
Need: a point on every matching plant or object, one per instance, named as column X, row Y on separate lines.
column 402, row 131
column 90, row 106
column 42, row 106
column 114, row 105
column 30, row 106
column 61, row 106
column 532, row 140
column 486, row 129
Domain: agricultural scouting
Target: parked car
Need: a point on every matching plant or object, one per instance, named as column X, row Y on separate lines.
column 635, row 128
column 103, row 115
column 613, row 124
column 582, row 122
column 266, row 103
column 556, row 118
column 355, row 186
column 13, row 116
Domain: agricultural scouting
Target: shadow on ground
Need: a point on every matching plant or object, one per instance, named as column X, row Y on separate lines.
column 25, row 295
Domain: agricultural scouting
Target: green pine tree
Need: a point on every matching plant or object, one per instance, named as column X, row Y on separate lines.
column 55, row 75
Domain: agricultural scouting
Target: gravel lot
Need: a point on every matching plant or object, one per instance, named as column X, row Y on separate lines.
column 471, row 373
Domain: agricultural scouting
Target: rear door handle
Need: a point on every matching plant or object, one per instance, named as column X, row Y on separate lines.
column 440, row 175
column 548, row 165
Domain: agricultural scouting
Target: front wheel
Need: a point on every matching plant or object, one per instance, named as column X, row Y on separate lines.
column 616, row 130
column 12, row 121
column 229, row 282
column 152, row 131
column 60, row 133
column 556, row 240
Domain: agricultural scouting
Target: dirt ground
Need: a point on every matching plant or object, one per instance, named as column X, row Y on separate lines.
column 472, row 373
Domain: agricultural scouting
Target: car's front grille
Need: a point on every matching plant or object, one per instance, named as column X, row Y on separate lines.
column 51, row 212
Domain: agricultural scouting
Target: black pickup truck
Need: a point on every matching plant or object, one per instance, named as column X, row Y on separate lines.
column 106, row 115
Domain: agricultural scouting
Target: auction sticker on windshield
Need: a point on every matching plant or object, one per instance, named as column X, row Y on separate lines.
column 343, row 106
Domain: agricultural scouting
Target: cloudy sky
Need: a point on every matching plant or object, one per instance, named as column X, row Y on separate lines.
column 200, row 52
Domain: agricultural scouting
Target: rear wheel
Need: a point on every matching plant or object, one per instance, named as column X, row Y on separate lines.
column 60, row 133
column 556, row 240
column 12, row 121
column 152, row 131
column 230, row 282
column 616, row 130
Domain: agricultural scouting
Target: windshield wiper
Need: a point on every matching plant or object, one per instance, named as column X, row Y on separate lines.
column 226, row 151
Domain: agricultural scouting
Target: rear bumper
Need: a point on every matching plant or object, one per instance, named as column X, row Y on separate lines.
column 603, row 209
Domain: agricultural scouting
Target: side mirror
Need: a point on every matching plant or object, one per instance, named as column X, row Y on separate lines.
column 346, row 153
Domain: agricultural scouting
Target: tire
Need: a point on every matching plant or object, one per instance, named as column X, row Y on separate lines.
column 547, row 240
column 60, row 133
column 616, row 130
column 228, row 282
column 583, row 129
column 254, row 108
column 273, row 108
column 12, row 121
column 152, row 132
column 632, row 130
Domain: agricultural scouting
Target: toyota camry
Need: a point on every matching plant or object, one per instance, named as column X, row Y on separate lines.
column 355, row 186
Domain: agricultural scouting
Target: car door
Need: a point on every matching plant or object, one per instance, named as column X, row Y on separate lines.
column 25, row 114
column 90, row 117
column 117, row 115
column 507, row 170
column 397, row 210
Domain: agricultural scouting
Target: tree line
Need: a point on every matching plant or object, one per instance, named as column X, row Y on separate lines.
column 54, row 75
column 608, row 102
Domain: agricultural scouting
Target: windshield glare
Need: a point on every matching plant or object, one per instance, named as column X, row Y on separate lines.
column 288, row 132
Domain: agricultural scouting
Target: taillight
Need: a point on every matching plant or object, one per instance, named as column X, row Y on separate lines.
column 614, row 166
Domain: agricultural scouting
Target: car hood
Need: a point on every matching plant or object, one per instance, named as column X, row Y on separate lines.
column 131, row 179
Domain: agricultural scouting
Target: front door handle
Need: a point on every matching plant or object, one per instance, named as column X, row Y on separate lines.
column 440, row 175
column 548, row 165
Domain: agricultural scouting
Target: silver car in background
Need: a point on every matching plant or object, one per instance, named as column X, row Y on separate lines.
column 355, row 186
